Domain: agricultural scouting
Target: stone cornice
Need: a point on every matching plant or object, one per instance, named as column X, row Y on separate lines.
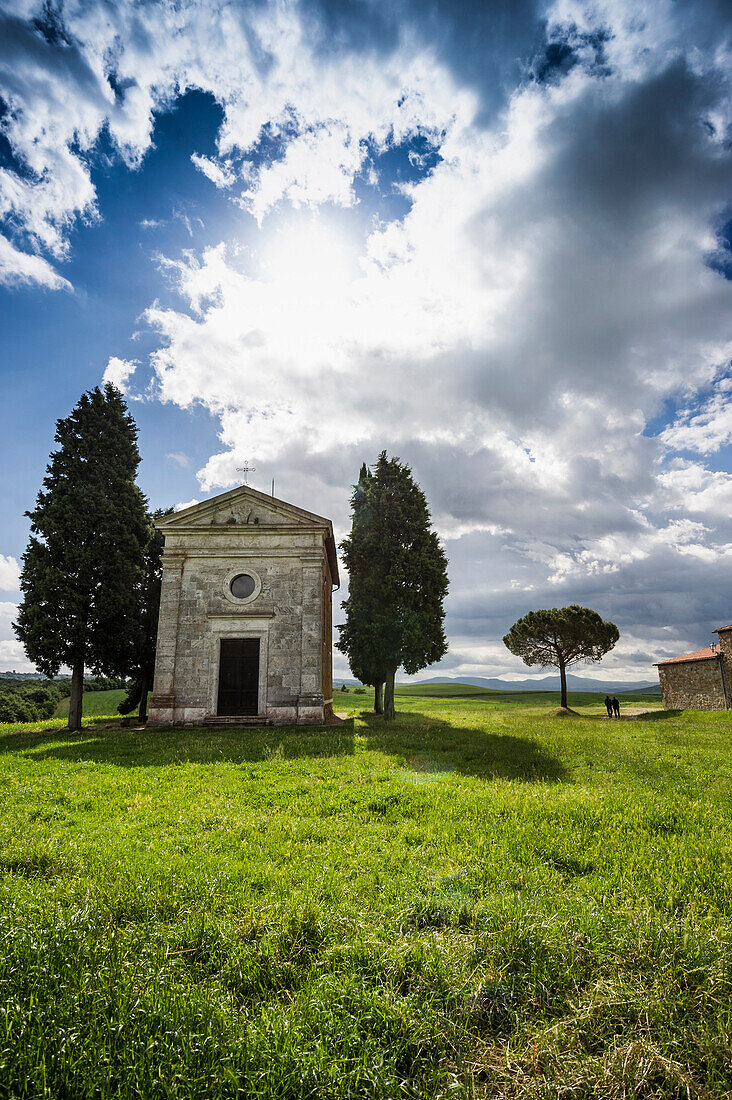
column 245, row 613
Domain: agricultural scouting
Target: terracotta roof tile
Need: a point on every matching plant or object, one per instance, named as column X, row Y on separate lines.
column 697, row 655
column 721, row 629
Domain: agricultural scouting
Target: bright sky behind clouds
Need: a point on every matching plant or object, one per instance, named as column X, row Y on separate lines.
column 493, row 239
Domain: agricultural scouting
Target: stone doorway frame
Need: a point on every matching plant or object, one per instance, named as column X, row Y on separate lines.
column 238, row 626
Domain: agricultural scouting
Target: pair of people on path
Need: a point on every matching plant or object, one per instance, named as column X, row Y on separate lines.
column 612, row 706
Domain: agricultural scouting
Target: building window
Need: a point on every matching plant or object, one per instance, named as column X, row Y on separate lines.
column 242, row 586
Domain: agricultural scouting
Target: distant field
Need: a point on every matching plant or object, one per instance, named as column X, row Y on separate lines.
column 516, row 698
column 443, row 691
column 102, row 703
column 95, row 703
column 474, row 901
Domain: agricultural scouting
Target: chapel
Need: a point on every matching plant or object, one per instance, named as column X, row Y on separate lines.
column 245, row 625
column 701, row 680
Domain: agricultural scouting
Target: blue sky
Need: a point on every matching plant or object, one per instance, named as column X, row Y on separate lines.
column 490, row 238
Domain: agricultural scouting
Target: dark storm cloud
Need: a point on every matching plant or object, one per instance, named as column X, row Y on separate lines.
column 670, row 600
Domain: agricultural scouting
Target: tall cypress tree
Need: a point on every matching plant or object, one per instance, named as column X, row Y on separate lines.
column 398, row 615
column 84, row 559
column 357, row 639
column 147, row 610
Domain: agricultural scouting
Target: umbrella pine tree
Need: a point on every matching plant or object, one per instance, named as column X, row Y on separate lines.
column 562, row 637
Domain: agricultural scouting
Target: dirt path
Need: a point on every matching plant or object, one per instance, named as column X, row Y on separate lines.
column 633, row 712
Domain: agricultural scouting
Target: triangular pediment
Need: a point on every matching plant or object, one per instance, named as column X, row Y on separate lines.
column 242, row 506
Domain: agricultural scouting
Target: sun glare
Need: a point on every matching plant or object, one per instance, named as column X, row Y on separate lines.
column 310, row 256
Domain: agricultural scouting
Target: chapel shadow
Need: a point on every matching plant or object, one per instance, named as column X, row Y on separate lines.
column 431, row 746
column 178, row 745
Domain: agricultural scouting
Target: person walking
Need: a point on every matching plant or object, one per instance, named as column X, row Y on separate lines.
column 616, row 706
column 609, row 706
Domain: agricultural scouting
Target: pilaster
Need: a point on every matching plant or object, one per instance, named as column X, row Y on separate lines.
column 725, row 655
column 311, row 679
column 165, row 654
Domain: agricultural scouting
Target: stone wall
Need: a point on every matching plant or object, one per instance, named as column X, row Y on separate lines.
column 197, row 611
column 692, row 684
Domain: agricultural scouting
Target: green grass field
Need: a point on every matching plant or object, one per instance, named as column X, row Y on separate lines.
column 476, row 900
column 96, row 703
column 523, row 699
column 104, row 703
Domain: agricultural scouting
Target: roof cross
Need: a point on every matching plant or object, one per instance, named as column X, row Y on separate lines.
column 245, row 469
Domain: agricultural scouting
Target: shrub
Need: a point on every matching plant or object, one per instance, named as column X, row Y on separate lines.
column 24, row 701
column 15, row 707
column 105, row 683
column 9, row 707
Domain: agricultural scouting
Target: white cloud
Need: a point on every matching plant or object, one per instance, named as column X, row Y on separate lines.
column 475, row 280
column 8, row 612
column 179, row 459
column 614, row 551
column 191, row 222
column 185, row 504
column 692, row 488
column 12, row 654
column 219, row 173
column 24, row 269
column 122, row 62
column 13, row 658
column 119, row 371
column 9, row 573
column 706, row 428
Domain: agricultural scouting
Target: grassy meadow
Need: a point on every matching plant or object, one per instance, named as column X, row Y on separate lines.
column 96, row 703
column 477, row 900
column 590, row 702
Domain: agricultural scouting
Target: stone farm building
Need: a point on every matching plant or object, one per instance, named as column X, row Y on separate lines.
column 245, row 626
column 701, row 680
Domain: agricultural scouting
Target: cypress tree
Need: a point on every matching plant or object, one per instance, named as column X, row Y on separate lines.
column 147, row 610
column 84, row 559
column 357, row 640
column 398, row 614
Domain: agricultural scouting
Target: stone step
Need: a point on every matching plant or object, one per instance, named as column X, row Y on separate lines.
column 237, row 720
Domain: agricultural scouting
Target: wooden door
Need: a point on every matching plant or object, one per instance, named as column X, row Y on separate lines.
column 238, row 676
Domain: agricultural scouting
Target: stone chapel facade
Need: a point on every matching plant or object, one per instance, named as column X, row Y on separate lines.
column 701, row 680
column 245, row 626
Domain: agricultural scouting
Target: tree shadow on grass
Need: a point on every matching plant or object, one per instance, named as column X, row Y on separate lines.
column 430, row 747
column 159, row 747
column 657, row 715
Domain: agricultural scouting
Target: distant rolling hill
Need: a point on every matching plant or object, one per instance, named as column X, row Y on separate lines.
column 463, row 684
column 549, row 683
column 469, row 692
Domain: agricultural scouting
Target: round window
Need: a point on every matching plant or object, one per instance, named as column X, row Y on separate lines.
column 242, row 586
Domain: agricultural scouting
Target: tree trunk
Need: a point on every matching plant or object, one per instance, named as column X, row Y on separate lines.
column 378, row 698
column 389, row 711
column 563, row 679
column 142, row 711
column 77, row 689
